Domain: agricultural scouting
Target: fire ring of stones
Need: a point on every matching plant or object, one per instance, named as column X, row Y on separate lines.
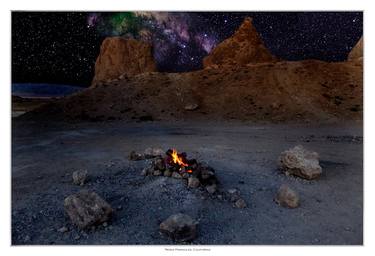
column 198, row 175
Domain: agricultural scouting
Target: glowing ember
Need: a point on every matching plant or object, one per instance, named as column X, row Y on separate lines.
column 179, row 160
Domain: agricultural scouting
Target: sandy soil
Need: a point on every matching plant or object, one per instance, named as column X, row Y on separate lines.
column 243, row 155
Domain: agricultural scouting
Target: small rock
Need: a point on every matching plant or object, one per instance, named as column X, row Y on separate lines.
column 240, row 203
column 220, row 197
column 234, row 194
column 193, row 182
column 287, row 197
column 63, row 229
column 185, row 175
column 153, row 152
column 86, row 209
column 179, row 227
column 119, row 208
column 79, row 177
column 146, row 171
column 77, row 237
column 134, row 156
column 167, row 173
column 191, row 106
column 157, row 173
column 176, row 175
column 211, row 188
column 105, row 224
column 159, row 164
column 300, row 162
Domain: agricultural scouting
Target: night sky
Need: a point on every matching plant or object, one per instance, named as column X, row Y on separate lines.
column 61, row 48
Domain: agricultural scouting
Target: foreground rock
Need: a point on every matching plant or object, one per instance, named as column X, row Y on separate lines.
column 119, row 56
column 86, row 209
column 287, row 197
column 79, row 177
column 244, row 47
column 179, row 227
column 300, row 162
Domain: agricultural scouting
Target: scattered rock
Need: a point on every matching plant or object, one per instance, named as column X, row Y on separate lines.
column 287, row 197
column 27, row 238
column 86, row 209
column 159, row 164
column 147, row 171
column 153, row 152
column 193, row 182
column 79, row 177
column 211, row 188
column 134, row 156
column 167, row 173
column 240, row 203
column 191, row 106
column 300, row 162
column 157, row 173
column 179, row 227
column 234, row 194
column 176, row 175
column 63, row 229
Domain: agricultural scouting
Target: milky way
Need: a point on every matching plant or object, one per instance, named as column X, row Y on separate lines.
column 62, row 47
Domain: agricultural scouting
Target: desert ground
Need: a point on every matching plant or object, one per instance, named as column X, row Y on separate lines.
column 243, row 154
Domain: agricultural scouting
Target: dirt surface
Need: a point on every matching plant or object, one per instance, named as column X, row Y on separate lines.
column 244, row 156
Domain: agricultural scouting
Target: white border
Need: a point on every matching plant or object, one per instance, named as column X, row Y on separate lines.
column 232, row 5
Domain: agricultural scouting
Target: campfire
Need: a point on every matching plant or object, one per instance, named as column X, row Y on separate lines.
column 177, row 165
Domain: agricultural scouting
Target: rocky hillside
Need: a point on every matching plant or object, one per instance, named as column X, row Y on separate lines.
column 259, row 89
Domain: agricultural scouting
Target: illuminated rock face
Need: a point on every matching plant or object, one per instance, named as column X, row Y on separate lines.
column 357, row 51
column 244, row 47
column 119, row 56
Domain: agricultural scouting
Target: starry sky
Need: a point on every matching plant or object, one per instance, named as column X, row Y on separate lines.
column 61, row 47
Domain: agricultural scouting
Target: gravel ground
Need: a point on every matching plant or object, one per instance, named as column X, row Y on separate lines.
column 44, row 156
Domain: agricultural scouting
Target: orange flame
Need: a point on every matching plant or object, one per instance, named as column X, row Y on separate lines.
column 176, row 159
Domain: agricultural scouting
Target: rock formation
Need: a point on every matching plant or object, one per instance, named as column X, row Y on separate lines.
column 357, row 51
column 119, row 56
column 303, row 91
column 245, row 46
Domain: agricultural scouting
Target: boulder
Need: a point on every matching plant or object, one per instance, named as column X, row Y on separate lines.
column 123, row 57
column 300, row 162
column 244, row 47
column 86, row 209
column 180, row 227
column 79, row 177
column 287, row 197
